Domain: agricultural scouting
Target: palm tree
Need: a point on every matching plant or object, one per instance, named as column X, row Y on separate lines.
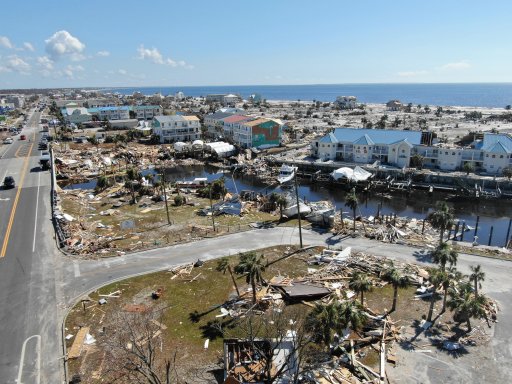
column 441, row 219
column 477, row 275
column 352, row 203
column 360, row 283
column 252, row 266
column 223, row 266
column 436, row 278
column 398, row 280
column 282, row 203
column 444, row 254
column 466, row 305
column 322, row 321
column 351, row 315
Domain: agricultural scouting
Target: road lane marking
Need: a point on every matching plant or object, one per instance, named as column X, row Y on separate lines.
column 14, row 206
column 37, row 207
column 38, row 360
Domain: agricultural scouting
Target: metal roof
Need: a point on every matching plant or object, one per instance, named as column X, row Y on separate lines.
column 100, row 109
column 377, row 136
column 497, row 143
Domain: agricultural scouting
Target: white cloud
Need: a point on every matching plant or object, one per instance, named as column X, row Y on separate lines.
column 151, row 54
column 14, row 63
column 122, row 72
column 45, row 62
column 62, row 43
column 70, row 71
column 156, row 57
column 103, row 53
column 28, row 46
column 412, row 73
column 463, row 64
column 5, row 42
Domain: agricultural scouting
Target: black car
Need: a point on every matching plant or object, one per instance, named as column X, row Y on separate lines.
column 9, row 182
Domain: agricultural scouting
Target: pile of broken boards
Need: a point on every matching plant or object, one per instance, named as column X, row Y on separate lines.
column 389, row 229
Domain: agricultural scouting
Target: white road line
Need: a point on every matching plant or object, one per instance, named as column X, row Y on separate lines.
column 38, row 361
column 76, row 267
column 37, row 207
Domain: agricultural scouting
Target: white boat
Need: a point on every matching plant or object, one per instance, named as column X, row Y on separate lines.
column 286, row 174
column 291, row 207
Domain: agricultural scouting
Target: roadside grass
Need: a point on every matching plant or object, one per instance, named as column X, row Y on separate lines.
column 190, row 304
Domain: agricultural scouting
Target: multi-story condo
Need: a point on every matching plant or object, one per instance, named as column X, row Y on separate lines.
column 171, row 129
column 491, row 154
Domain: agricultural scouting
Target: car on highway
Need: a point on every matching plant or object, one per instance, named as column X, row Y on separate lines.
column 23, row 137
column 9, row 182
column 8, row 140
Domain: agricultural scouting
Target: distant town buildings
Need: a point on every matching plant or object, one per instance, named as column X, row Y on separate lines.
column 393, row 147
column 346, row 102
column 224, row 99
column 18, row 101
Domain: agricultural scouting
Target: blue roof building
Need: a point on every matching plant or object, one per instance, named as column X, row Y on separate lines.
column 368, row 145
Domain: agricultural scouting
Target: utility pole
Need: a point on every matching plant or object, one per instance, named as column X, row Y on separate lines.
column 211, row 207
column 298, row 207
column 165, row 197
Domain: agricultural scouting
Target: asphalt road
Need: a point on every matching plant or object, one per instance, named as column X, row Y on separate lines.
column 29, row 332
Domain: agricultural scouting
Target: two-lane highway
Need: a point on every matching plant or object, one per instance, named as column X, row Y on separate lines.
column 29, row 321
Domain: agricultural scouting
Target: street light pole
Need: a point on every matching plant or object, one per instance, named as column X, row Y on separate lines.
column 298, row 207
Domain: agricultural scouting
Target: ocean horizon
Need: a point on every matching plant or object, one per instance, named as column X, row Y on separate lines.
column 489, row 95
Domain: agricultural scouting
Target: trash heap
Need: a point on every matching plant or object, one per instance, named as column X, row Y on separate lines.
column 389, row 229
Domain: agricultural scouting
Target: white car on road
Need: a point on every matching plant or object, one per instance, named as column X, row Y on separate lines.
column 8, row 141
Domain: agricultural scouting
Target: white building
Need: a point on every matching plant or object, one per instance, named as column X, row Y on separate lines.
column 394, row 147
column 171, row 129
column 146, row 112
column 367, row 146
column 111, row 113
column 74, row 114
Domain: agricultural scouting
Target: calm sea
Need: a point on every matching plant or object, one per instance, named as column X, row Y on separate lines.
column 469, row 94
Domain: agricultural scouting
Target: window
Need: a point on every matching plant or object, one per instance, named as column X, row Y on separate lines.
column 493, row 156
column 501, row 156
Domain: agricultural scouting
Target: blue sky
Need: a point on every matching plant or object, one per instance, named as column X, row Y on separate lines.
column 168, row 43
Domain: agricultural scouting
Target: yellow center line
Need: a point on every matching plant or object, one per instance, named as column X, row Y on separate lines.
column 13, row 211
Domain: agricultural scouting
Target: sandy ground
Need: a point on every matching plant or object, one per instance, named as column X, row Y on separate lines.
column 449, row 126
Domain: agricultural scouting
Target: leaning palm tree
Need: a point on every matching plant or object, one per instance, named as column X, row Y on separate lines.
column 444, row 254
column 223, row 265
column 436, row 278
column 477, row 275
column 466, row 305
column 360, row 283
column 393, row 276
column 252, row 266
column 352, row 202
column 449, row 278
column 441, row 219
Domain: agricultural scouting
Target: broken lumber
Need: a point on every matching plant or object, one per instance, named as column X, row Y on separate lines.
column 78, row 343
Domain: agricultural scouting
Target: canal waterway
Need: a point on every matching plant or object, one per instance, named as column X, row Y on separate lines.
column 417, row 204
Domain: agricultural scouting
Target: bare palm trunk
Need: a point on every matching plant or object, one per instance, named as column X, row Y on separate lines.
column 468, row 322
column 476, row 287
column 253, row 285
column 444, row 299
column 354, row 215
column 431, row 309
column 362, row 297
column 234, row 281
column 395, row 297
column 441, row 236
